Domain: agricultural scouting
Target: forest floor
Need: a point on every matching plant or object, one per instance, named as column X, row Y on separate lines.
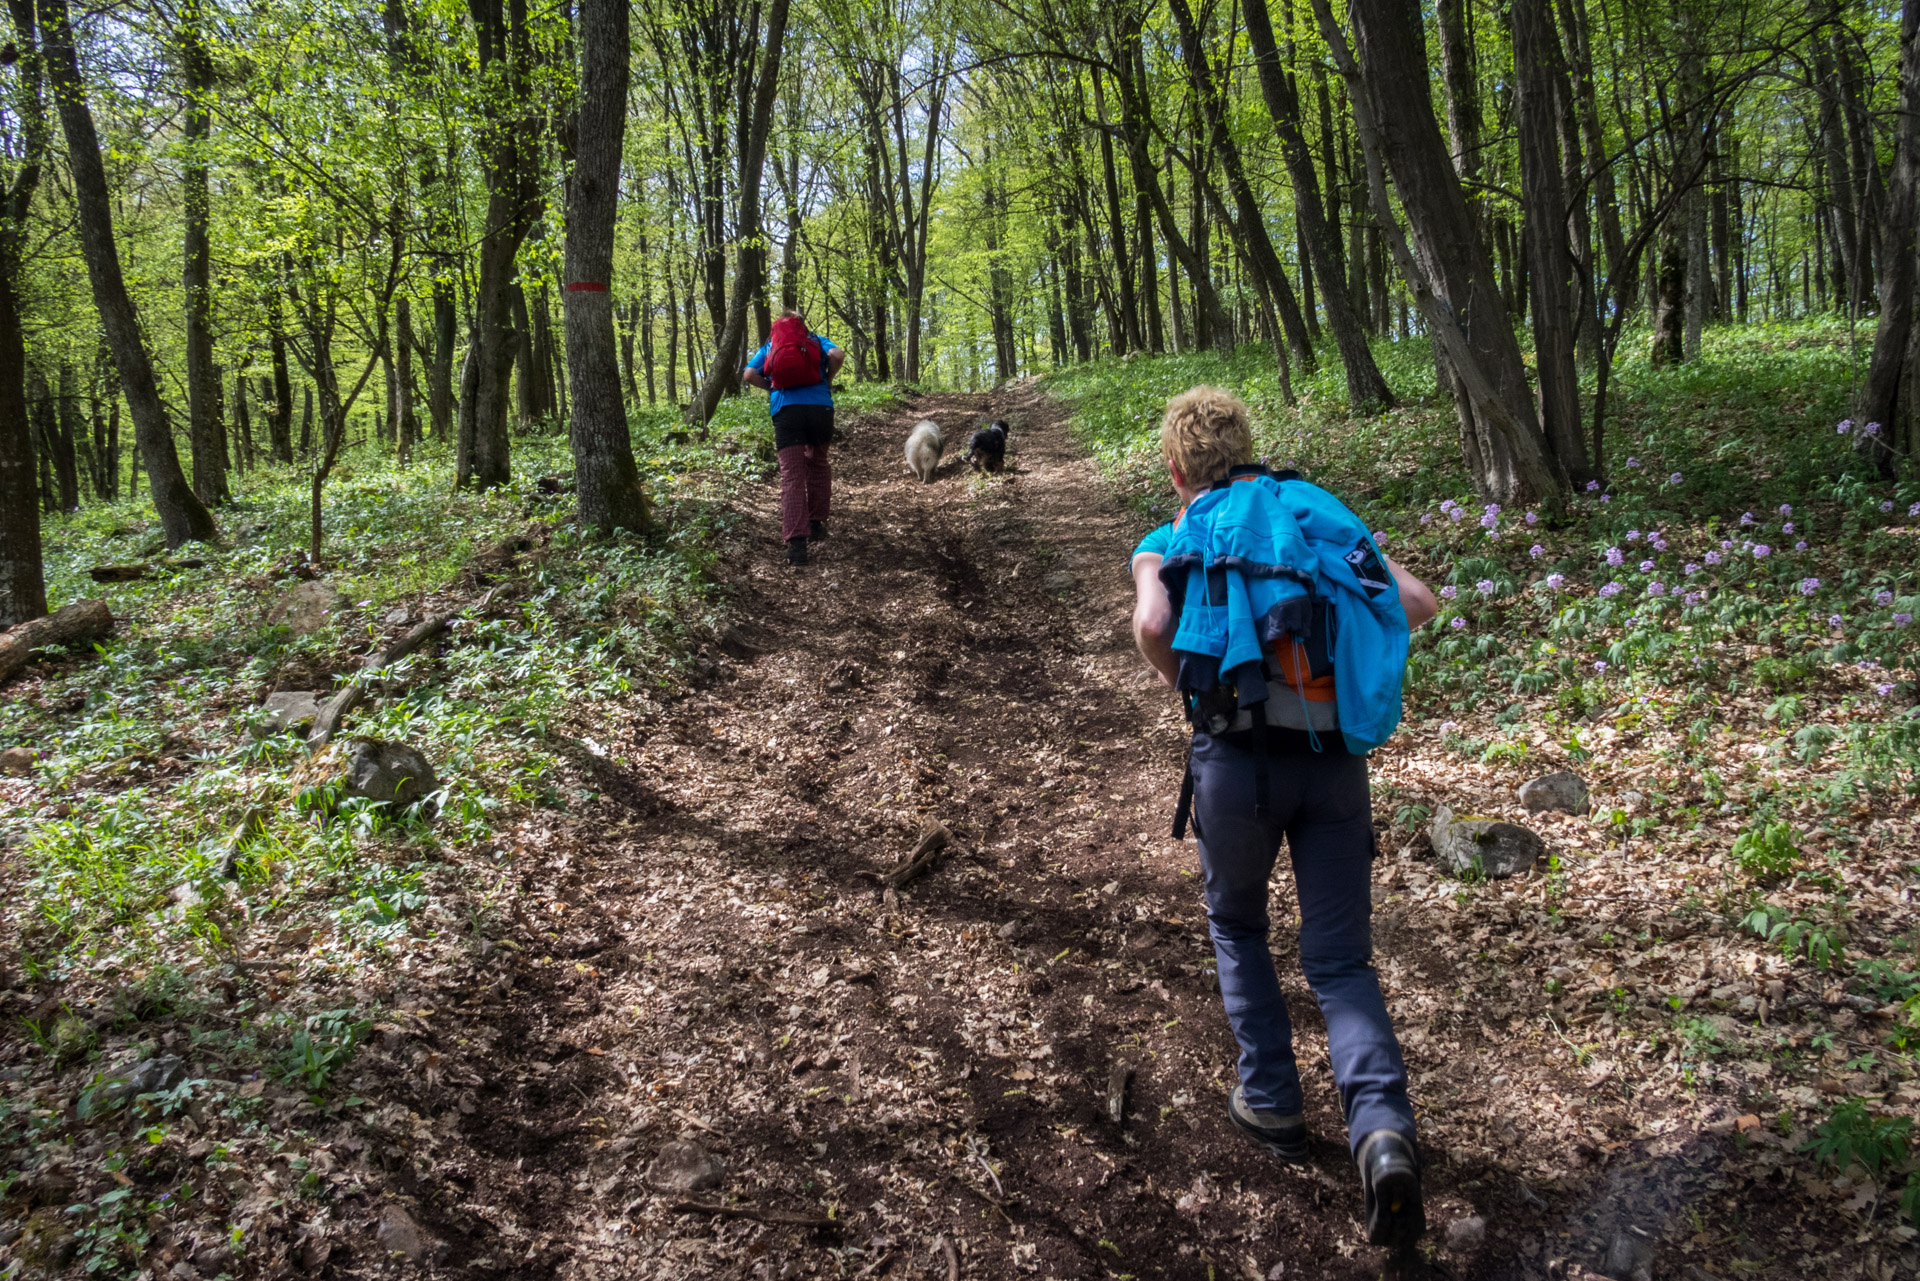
column 919, row 1083
column 709, row 957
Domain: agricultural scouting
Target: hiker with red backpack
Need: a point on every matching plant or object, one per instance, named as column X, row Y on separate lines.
column 797, row 366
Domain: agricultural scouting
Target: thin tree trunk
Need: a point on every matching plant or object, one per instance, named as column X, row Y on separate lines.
column 182, row 515
column 1366, row 387
column 1129, row 312
column 23, row 592
column 1890, row 374
column 608, row 478
column 724, row 373
column 204, row 426
column 1450, row 277
column 1536, row 58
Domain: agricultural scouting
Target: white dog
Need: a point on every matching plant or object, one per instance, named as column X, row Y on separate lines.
column 924, row 446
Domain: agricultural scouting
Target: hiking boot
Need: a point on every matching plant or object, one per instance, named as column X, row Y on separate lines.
column 817, row 531
column 1390, row 1178
column 796, row 551
column 1284, row 1136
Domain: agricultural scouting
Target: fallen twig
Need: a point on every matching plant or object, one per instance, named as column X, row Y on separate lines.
column 327, row 723
column 786, row 1218
column 934, row 839
column 951, row 1255
column 1117, row 1092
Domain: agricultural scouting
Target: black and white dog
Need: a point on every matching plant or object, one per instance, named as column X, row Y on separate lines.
column 987, row 451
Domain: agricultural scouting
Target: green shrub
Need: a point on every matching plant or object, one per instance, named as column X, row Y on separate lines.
column 1767, row 852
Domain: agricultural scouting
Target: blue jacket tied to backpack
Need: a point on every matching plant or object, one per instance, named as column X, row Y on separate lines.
column 1265, row 563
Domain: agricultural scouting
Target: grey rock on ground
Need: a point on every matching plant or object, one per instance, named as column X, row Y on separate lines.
column 395, row 617
column 1496, row 848
column 377, row 770
column 18, row 760
column 305, row 608
column 1467, row 1234
column 1060, row 580
column 1629, row 1255
column 1564, row 791
column 289, row 708
column 683, row 1166
column 149, row 1076
column 398, row 1233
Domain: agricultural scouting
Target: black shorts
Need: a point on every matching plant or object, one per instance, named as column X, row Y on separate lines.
column 803, row 425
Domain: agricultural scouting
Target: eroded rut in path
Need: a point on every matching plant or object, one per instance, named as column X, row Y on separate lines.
column 709, row 956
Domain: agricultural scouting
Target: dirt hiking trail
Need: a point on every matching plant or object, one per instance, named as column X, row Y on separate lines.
column 917, row 1083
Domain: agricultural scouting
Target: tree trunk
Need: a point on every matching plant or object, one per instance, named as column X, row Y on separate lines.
column 1367, row 388
column 1448, row 270
column 278, row 396
column 406, row 425
column 1129, row 312
column 204, row 426
column 526, row 390
column 23, row 593
column 1252, row 221
column 608, row 479
column 509, row 145
column 1886, row 396
column 1536, row 58
column 729, row 343
column 182, row 515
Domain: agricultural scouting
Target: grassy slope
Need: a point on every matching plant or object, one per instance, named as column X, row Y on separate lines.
column 1745, row 716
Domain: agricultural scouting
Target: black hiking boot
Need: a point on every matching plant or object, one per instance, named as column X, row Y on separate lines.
column 1390, row 1178
column 817, row 531
column 796, row 551
column 1284, row 1136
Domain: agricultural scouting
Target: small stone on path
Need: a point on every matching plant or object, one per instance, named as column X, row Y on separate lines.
column 1488, row 846
column 1467, row 1234
column 684, row 1166
column 289, row 708
column 398, row 1233
column 1564, row 791
column 18, row 760
column 375, row 770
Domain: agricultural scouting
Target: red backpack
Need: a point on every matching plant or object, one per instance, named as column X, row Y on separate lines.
column 793, row 355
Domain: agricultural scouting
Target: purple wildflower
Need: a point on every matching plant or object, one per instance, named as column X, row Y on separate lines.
column 1656, row 588
column 1883, row 598
column 1533, row 518
column 1556, row 581
column 1786, row 509
column 1883, row 689
column 1761, row 551
column 1886, row 506
column 1746, row 518
column 1800, row 546
column 1694, row 598
column 1599, row 664
column 1693, row 567
column 1457, row 624
column 1872, row 429
column 1457, row 515
column 1646, row 567
column 1611, row 589
column 1536, row 551
column 1844, row 426
column 1808, row 586
column 1835, row 620
column 1592, row 485
column 1426, row 518
column 1674, row 479
column 1484, row 587
column 1633, row 535
column 1901, row 620
column 1615, row 556
column 1448, row 592
column 1633, row 462
column 1489, row 521
column 1713, row 558
column 1786, row 527
column 1380, row 537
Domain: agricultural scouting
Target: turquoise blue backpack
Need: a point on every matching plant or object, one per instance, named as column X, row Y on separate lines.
column 1287, row 615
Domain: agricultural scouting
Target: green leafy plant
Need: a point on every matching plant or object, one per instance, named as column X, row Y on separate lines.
column 1767, row 852
column 322, row 1045
column 1851, row 1135
column 1820, row 944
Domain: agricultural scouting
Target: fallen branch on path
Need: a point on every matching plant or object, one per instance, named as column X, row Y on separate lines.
column 785, row 1218
column 81, row 621
column 951, row 1255
column 935, row 838
column 1117, row 1091
column 327, row 723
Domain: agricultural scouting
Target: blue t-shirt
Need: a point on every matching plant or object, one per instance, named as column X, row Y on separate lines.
column 820, row 393
column 1154, row 544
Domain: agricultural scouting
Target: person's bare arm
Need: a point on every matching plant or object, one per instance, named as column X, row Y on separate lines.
column 1415, row 597
column 1153, row 622
column 754, row 378
column 835, row 358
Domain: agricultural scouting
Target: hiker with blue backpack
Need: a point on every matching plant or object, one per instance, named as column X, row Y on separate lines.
column 797, row 367
column 1268, row 606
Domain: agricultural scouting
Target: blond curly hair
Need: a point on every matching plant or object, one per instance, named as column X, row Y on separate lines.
column 1205, row 433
